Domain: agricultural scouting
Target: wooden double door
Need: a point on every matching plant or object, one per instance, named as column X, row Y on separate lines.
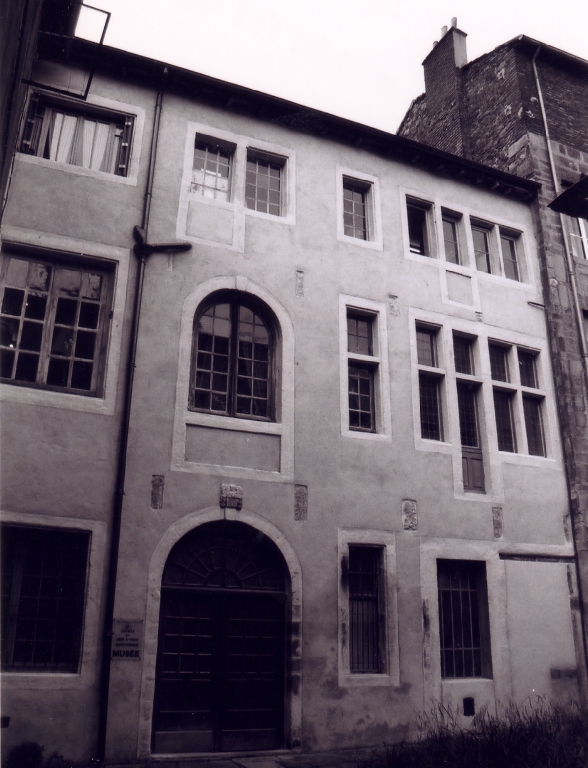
column 220, row 670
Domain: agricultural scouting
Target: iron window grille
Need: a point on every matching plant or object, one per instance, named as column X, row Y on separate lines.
column 43, row 588
column 450, row 237
column 417, row 213
column 212, row 169
column 53, row 322
column 355, row 209
column 362, row 368
column 464, row 630
column 84, row 136
column 233, row 358
column 366, row 609
column 265, row 183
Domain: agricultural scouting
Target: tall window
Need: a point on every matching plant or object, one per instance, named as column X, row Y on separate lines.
column 366, row 609
column 53, row 319
column 355, row 210
column 508, row 245
column 43, row 587
column 430, row 379
column 481, row 238
column 362, row 371
column 578, row 236
column 264, row 183
column 532, row 403
column 211, row 175
column 417, row 213
column 467, row 403
column 232, row 365
column 78, row 134
column 450, row 237
column 464, row 630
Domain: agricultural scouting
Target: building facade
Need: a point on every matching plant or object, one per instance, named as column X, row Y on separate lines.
column 338, row 493
column 523, row 108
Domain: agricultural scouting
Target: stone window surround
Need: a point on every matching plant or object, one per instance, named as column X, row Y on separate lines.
column 371, row 185
column 451, row 445
column 118, row 258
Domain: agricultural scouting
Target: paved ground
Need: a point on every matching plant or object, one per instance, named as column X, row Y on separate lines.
column 336, row 759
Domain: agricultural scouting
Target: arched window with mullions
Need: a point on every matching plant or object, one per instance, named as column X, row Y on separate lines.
column 233, row 366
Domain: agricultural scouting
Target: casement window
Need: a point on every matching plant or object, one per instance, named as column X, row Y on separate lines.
column 430, row 381
column 497, row 250
column 467, row 404
column 450, row 223
column 232, row 360
column 362, row 366
column 505, row 431
column 355, row 209
column 211, row 174
column 499, row 362
column 464, row 628
column 78, row 134
column 265, row 182
column 577, row 230
column 53, row 323
column 510, row 262
column 366, row 609
column 43, row 588
column 418, row 213
column 481, row 238
column 532, row 403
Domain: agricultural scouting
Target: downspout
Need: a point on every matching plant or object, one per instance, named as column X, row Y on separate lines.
column 583, row 347
column 141, row 255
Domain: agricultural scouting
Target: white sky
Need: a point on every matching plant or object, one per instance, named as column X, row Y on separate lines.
column 361, row 60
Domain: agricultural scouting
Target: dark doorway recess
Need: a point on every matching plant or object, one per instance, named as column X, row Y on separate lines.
column 221, row 656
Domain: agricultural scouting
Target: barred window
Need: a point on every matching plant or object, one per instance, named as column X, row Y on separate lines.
column 355, row 214
column 366, row 609
column 43, row 587
column 264, row 183
column 76, row 134
column 211, row 175
column 232, row 365
column 464, row 630
column 53, row 319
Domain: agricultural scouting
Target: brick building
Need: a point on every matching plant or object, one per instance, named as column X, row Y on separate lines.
column 262, row 493
column 523, row 107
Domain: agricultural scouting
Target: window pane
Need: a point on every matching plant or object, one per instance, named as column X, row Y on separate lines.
column 534, row 426
column 261, row 176
column 509, row 257
column 450, row 240
column 354, row 211
column 211, row 170
column 361, row 398
column 417, row 229
column 504, row 423
column 481, row 249
column 463, row 622
column 430, row 407
column 499, row 363
column 527, row 369
column 365, row 625
column 427, row 347
column 462, row 351
column 359, row 335
column 468, row 417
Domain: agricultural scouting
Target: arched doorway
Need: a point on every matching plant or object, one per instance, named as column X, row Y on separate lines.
column 221, row 653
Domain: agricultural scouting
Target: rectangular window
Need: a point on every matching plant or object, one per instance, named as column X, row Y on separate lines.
column 366, row 609
column 426, row 347
column 430, row 407
column 355, row 214
column 481, row 238
column 504, row 421
column 78, row 134
column 211, row 174
column 527, row 369
column 265, row 182
column 534, row 425
column 43, row 587
column 464, row 630
column 508, row 245
column 450, row 238
column 53, row 320
column 578, row 237
column 418, row 234
column 362, row 411
column 471, row 451
column 462, row 352
column 499, row 362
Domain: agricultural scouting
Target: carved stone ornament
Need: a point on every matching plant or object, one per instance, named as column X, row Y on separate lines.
column 497, row 521
column 231, row 496
column 409, row 515
column 301, row 502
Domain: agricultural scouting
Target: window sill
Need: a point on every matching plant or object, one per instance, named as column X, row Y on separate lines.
column 374, row 245
column 16, row 393
column 350, row 680
column 364, row 435
column 282, row 219
column 232, row 423
column 77, row 170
